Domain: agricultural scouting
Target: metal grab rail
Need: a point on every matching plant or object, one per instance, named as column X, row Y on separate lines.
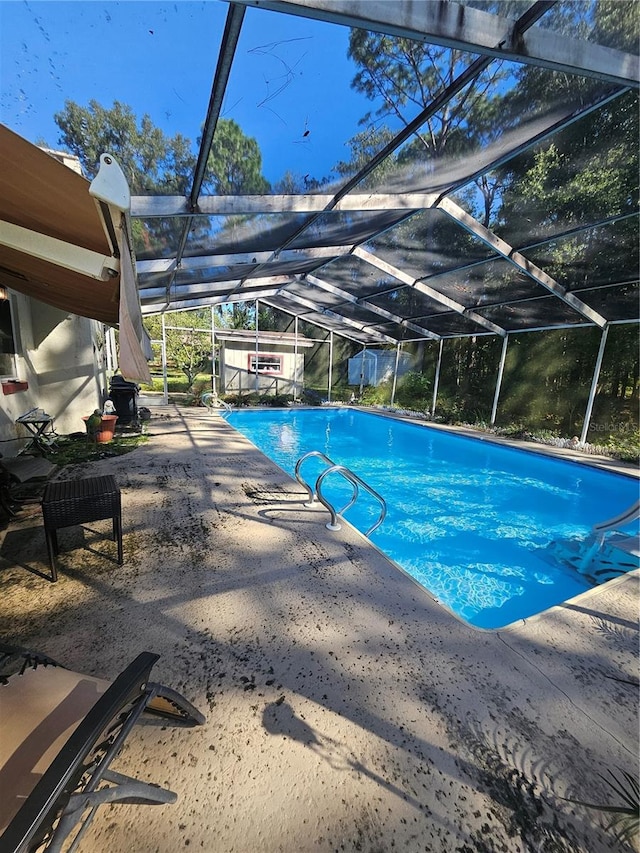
column 599, row 533
column 626, row 517
column 211, row 401
column 356, row 482
column 299, row 478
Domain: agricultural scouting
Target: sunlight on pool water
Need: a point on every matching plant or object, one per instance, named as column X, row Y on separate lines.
column 471, row 521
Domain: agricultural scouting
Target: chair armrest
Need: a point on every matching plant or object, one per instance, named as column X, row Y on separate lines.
column 90, row 744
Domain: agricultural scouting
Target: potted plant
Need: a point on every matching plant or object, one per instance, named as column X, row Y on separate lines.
column 100, row 426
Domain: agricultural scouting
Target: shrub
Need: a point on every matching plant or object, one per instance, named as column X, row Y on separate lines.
column 312, row 397
column 414, row 392
column 377, row 395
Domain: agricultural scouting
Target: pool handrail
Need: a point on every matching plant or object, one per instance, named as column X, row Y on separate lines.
column 211, row 401
column 315, row 495
column 626, row 517
column 312, row 494
column 599, row 531
column 355, row 481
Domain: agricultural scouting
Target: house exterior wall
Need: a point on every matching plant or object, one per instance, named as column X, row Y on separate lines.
column 236, row 376
column 62, row 357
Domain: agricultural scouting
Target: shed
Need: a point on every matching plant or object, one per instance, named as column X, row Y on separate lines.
column 372, row 367
column 268, row 363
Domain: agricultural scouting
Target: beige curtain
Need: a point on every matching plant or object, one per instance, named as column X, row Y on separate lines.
column 135, row 346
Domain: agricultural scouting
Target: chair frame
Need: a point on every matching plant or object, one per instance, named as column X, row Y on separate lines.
column 66, row 797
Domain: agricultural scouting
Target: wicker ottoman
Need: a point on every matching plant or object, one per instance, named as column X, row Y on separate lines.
column 70, row 502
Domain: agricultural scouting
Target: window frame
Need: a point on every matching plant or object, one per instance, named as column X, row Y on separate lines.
column 13, row 372
column 253, row 363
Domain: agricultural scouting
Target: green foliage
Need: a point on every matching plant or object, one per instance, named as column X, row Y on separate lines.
column 242, row 399
column 547, row 378
column 239, row 315
column 151, row 161
column 414, row 391
column 364, row 146
column 312, row 397
column 624, row 446
column 625, row 820
column 276, row 400
column 402, row 76
column 235, row 162
column 398, row 74
column 177, row 383
column 188, row 338
column 376, row 395
column 292, row 184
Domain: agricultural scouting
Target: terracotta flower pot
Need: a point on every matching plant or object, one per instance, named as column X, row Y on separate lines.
column 107, row 428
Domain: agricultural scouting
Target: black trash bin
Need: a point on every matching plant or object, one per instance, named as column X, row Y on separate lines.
column 123, row 394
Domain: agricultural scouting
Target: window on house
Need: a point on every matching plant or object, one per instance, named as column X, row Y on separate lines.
column 263, row 363
column 7, row 341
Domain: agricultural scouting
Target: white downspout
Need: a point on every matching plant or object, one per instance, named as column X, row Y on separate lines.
column 213, row 351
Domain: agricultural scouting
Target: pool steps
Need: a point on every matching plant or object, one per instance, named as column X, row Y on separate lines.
column 600, row 557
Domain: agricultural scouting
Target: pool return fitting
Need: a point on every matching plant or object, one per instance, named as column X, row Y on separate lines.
column 316, row 495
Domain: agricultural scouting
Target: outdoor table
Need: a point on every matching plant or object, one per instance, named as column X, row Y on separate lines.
column 66, row 503
column 40, row 426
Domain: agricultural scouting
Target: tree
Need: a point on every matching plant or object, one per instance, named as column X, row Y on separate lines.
column 402, row 77
column 364, row 146
column 188, row 340
column 151, row 161
column 291, row 183
column 235, row 162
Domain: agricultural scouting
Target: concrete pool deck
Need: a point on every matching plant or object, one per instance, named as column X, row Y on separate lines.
column 346, row 710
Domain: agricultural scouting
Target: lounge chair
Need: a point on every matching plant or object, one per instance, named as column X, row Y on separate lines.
column 60, row 732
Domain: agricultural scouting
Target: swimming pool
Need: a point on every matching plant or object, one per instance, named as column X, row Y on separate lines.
column 473, row 522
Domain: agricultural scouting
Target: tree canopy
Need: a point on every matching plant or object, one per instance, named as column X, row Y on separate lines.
column 151, row 161
column 235, row 162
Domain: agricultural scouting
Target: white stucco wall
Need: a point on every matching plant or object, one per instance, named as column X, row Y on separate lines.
column 63, row 359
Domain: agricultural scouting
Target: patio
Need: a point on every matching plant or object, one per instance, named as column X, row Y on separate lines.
column 346, row 710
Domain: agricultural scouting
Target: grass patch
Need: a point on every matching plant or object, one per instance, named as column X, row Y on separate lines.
column 75, row 449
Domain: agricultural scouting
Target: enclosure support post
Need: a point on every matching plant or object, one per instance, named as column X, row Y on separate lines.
column 213, row 351
column 594, row 385
column 362, row 371
column 436, row 379
column 395, row 373
column 295, row 360
column 256, row 365
column 330, row 367
column 165, row 382
column 503, row 355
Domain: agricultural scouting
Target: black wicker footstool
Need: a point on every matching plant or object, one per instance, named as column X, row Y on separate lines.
column 66, row 503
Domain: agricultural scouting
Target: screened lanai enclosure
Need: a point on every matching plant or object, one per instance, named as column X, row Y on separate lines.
column 455, row 183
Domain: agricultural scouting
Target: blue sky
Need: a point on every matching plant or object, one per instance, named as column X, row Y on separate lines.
column 289, row 87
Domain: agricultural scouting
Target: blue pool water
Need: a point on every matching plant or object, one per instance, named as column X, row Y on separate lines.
column 470, row 520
